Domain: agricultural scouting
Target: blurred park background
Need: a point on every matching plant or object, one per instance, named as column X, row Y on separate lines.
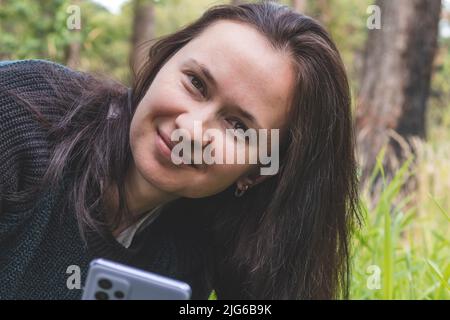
column 400, row 81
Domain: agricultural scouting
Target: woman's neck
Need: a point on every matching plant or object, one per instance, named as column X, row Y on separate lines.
column 141, row 197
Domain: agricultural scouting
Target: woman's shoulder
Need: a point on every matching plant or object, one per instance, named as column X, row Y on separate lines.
column 29, row 68
column 30, row 65
column 33, row 81
column 35, row 75
column 24, row 144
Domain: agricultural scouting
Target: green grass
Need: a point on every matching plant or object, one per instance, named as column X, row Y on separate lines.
column 405, row 239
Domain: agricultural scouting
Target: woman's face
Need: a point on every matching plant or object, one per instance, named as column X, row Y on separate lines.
column 252, row 88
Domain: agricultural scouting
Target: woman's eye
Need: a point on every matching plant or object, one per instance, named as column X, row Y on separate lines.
column 237, row 124
column 198, row 84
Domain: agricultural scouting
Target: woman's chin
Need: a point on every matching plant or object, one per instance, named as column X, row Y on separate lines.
column 163, row 176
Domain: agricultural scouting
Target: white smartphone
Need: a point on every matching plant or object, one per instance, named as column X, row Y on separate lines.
column 109, row 280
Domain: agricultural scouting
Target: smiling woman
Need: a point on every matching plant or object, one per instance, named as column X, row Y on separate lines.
column 220, row 226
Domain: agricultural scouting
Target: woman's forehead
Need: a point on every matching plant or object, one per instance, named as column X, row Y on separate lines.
column 245, row 66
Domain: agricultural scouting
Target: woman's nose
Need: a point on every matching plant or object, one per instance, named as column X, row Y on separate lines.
column 196, row 122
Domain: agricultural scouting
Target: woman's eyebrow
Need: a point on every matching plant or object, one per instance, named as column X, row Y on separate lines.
column 204, row 70
column 246, row 115
column 207, row 74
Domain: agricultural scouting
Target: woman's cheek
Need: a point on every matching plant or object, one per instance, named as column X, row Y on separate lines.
column 240, row 152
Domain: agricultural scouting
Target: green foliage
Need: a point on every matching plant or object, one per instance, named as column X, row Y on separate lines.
column 174, row 14
column 409, row 246
column 38, row 29
column 34, row 28
column 105, row 42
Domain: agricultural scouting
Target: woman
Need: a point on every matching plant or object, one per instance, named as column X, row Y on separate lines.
column 98, row 159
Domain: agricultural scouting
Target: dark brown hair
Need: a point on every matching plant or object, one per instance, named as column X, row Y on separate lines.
column 287, row 238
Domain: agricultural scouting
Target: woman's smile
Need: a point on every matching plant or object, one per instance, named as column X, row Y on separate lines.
column 164, row 145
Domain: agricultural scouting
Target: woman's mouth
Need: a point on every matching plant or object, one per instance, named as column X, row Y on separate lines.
column 165, row 146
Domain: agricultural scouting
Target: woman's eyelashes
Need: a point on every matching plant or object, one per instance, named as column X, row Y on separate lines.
column 237, row 124
column 197, row 84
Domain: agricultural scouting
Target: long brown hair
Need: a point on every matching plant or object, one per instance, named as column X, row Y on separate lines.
column 287, row 238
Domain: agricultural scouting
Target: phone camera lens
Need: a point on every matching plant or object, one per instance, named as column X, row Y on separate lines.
column 100, row 295
column 119, row 294
column 105, row 284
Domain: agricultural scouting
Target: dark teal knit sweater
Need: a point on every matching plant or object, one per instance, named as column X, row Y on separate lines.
column 39, row 242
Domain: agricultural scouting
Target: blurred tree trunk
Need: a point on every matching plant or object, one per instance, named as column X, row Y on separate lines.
column 143, row 30
column 72, row 52
column 396, row 81
column 324, row 12
column 299, row 5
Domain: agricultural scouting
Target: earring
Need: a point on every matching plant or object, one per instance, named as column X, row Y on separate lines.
column 240, row 192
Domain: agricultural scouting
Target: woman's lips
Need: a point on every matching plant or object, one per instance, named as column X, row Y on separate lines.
column 165, row 146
